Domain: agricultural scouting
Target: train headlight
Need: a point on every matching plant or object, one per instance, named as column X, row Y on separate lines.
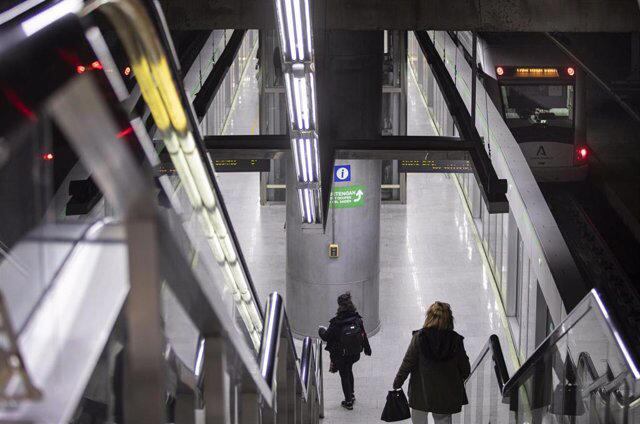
column 571, row 72
column 500, row 71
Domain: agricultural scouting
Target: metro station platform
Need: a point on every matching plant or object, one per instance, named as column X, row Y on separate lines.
column 429, row 251
column 184, row 208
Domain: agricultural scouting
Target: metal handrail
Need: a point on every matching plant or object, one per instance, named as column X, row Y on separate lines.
column 308, row 371
column 500, row 367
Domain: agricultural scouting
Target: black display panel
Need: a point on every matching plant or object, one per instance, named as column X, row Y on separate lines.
column 454, row 166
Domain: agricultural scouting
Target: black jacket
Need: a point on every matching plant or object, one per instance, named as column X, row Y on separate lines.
column 438, row 365
column 332, row 336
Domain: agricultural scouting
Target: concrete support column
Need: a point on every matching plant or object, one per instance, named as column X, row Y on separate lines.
column 314, row 280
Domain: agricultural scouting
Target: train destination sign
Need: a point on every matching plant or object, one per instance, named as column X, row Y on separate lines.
column 242, row 165
column 454, row 166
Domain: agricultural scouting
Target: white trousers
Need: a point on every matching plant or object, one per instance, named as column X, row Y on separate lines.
column 421, row 417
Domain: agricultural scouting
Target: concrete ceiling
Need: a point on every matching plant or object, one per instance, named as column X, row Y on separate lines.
column 479, row 15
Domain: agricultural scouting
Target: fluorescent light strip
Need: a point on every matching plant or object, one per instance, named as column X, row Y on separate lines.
column 307, row 204
column 287, row 81
column 49, row 16
column 313, row 98
column 297, row 100
column 303, row 160
column 298, row 28
column 309, row 164
column 301, row 203
column 281, row 26
column 305, row 106
column 600, row 304
column 294, row 144
column 317, row 156
column 291, row 35
column 307, row 18
column 312, row 206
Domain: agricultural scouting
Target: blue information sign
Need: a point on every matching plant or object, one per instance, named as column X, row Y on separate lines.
column 341, row 173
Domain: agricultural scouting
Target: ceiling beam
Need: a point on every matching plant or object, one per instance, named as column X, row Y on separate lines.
column 474, row 15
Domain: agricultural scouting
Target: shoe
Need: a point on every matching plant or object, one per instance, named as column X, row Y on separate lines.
column 353, row 398
column 347, row 405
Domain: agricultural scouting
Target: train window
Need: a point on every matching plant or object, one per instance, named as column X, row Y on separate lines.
column 526, row 105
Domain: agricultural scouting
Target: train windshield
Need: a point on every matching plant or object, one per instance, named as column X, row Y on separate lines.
column 539, row 112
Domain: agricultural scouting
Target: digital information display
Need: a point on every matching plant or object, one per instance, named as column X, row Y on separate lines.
column 453, row 166
column 242, row 165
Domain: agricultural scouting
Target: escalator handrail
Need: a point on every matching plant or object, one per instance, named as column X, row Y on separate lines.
column 275, row 329
column 161, row 46
column 493, row 347
column 158, row 17
column 524, row 372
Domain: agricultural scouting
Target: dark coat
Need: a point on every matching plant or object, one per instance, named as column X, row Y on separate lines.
column 332, row 336
column 438, row 365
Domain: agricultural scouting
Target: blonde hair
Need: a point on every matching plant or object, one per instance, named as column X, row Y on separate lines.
column 439, row 316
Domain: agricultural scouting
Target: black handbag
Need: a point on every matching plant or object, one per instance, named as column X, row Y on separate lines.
column 396, row 408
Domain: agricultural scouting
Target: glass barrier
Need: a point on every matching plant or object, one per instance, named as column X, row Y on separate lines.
column 484, row 388
column 584, row 372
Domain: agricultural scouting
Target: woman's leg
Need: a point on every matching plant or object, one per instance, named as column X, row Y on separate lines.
column 442, row 418
column 418, row 417
column 345, row 378
column 351, row 382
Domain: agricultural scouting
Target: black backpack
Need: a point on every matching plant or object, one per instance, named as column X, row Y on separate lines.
column 351, row 338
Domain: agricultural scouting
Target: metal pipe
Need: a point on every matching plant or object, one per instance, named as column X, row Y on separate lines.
column 271, row 338
column 474, row 75
column 320, row 377
column 305, row 359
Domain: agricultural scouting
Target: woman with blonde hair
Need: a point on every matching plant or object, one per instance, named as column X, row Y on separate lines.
column 438, row 365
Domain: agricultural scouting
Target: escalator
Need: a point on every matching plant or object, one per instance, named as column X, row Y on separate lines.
column 146, row 313
column 583, row 372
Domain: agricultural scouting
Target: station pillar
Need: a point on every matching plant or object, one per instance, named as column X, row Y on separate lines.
column 314, row 278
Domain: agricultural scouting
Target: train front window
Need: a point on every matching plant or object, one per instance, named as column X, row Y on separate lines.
column 538, row 105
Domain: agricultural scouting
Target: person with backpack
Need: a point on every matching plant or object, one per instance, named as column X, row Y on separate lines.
column 346, row 339
column 438, row 365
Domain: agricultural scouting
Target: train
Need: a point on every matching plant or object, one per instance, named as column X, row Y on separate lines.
column 541, row 93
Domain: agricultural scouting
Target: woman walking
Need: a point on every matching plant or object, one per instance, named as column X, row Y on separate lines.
column 345, row 339
column 438, row 365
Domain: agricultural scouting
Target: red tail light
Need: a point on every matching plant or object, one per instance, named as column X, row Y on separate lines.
column 96, row 64
column 47, row 156
column 581, row 153
column 571, row 72
column 80, row 69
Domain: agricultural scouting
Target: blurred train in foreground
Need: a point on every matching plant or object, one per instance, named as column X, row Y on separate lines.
column 541, row 94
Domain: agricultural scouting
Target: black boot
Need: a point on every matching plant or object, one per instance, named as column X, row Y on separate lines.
column 347, row 404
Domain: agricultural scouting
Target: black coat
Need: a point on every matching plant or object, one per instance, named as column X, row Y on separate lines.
column 438, row 365
column 332, row 336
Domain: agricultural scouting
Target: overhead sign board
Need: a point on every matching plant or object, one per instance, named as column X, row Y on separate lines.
column 342, row 173
column 447, row 166
column 347, row 197
column 242, row 165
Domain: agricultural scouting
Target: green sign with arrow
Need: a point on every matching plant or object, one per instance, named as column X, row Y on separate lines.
column 348, row 197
